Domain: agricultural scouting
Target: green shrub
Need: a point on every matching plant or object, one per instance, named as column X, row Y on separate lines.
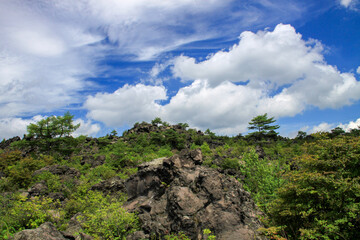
column 102, row 172
column 262, row 177
column 105, row 218
column 52, row 181
column 27, row 214
column 321, row 200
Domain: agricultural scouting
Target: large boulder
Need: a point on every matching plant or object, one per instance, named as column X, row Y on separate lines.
column 93, row 162
column 63, row 171
column 46, row 231
column 178, row 194
column 110, row 186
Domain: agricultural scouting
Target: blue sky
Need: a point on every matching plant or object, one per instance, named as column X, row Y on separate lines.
column 213, row 64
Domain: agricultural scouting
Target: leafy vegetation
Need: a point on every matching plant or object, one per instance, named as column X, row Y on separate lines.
column 54, row 126
column 308, row 187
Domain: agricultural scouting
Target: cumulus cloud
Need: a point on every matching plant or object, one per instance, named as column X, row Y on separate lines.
column 49, row 48
column 322, row 127
column 87, row 128
column 276, row 57
column 10, row 127
column 275, row 72
column 126, row 105
column 350, row 125
column 358, row 70
column 290, row 69
column 224, row 109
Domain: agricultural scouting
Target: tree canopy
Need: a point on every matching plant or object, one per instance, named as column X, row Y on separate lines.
column 52, row 127
column 262, row 125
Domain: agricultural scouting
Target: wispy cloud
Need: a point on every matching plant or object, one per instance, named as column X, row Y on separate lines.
column 49, row 48
column 350, row 4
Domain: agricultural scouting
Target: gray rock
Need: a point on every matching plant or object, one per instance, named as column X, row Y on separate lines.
column 38, row 189
column 63, row 171
column 112, row 185
column 178, row 194
column 46, row 231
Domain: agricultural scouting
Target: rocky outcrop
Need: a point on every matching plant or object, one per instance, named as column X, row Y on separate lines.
column 63, row 171
column 93, row 162
column 46, row 231
column 178, row 194
column 109, row 186
column 6, row 143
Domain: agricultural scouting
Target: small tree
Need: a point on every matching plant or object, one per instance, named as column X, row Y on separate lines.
column 156, row 121
column 262, row 123
column 53, row 127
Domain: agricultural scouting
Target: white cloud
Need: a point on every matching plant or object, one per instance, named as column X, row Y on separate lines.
column 225, row 109
column 277, row 57
column 49, row 48
column 346, row 3
column 358, row 70
column 327, row 127
column 322, row 127
column 350, row 4
column 126, row 105
column 86, row 128
column 290, row 69
column 42, row 66
column 351, row 125
column 11, row 127
column 279, row 73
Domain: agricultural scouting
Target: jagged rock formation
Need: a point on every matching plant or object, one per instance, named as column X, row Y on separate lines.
column 110, row 186
column 6, row 143
column 63, row 171
column 46, row 231
column 178, row 194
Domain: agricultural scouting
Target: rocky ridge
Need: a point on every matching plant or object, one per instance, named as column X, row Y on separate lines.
column 178, row 194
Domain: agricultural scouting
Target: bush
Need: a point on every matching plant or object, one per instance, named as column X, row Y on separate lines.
column 27, row 214
column 104, row 218
column 321, row 200
column 262, row 177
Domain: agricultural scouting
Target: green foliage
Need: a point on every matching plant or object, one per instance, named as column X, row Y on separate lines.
column 262, row 126
column 307, row 186
column 301, row 135
column 156, row 121
column 113, row 133
column 104, row 218
column 262, row 177
column 52, row 181
column 19, row 169
column 26, row 214
column 321, row 200
column 178, row 236
column 207, row 235
column 54, row 126
column 337, row 132
column 102, row 172
column 183, row 125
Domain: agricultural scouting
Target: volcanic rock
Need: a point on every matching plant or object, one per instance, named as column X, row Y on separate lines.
column 178, row 194
column 46, row 231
